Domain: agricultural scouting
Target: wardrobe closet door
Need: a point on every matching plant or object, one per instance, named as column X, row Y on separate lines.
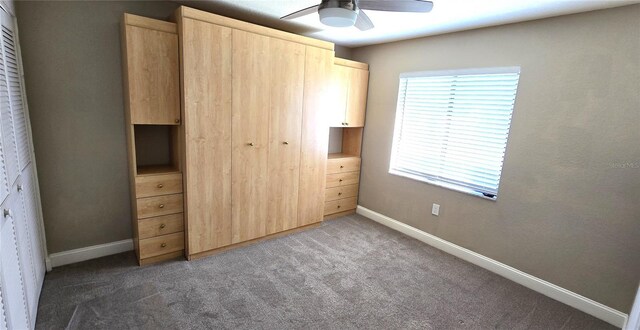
column 250, row 130
column 14, row 296
column 15, row 93
column 315, row 132
column 9, row 148
column 206, row 68
column 285, row 125
column 28, row 194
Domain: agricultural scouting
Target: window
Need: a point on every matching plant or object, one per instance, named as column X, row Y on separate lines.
column 452, row 126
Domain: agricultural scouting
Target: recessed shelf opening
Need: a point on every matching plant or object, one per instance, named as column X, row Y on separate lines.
column 346, row 141
column 156, row 149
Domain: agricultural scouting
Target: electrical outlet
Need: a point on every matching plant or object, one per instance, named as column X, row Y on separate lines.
column 435, row 209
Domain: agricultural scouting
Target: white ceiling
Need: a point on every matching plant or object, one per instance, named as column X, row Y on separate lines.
column 446, row 16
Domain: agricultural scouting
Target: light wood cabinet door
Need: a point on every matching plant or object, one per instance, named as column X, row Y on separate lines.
column 250, row 135
column 339, row 90
column 287, row 60
column 349, row 96
column 315, row 135
column 206, row 66
column 153, row 76
column 358, row 85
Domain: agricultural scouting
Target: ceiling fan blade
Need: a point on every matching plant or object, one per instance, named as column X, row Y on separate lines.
column 411, row 6
column 301, row 13
column 363, row 22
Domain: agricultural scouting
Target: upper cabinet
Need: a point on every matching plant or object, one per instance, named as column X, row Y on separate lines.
column 152, row 71
column 350, row 85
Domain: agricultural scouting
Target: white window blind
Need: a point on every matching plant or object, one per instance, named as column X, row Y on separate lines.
column 452, row 126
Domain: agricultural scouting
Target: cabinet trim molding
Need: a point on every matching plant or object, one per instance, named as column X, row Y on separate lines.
column 204, row 16
column 351, row 64
column 150, row 23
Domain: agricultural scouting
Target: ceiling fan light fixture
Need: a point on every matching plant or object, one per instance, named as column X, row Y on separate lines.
column 337, row 17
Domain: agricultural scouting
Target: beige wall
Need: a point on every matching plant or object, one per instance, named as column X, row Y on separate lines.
column 569, row 208
column 71, row 54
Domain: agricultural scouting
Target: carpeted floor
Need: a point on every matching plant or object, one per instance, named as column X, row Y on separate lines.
column 349, row 273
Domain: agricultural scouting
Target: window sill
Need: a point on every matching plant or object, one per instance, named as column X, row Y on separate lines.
column 442, row 184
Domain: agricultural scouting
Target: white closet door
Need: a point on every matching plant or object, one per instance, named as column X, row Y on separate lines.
column 28, row 194
column 25, row 247
column 3, row 318
column 9, row 149
column 14, row 85
column 15, row 303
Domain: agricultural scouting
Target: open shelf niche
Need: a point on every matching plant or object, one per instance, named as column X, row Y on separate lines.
column 156, row 149
column 345, row 142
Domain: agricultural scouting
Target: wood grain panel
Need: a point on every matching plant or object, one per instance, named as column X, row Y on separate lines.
column 315, row 135
column 287, row 61
column 339, row 89
column 357, row 97
column 158, row 226
column 342, row 179
column 343, row 164
column 250, row 130
column 206, row 67
column 155, row 185
column 340, row 205
column 332, row 194
column 252, row 28
column 159, row 205
column 160, row 245
column 153, row 76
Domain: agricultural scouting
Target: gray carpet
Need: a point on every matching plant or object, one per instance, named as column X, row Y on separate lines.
column 349, row 273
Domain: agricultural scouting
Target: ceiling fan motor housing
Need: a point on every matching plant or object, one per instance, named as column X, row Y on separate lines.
column 338, row 13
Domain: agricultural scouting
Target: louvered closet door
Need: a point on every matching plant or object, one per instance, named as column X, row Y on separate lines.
column 29, row 198
column 250, row 135
column 15, row 94
column 285, row 126
column 9, row 149
column 14, row 298
column 3, row 319
column 25, row 247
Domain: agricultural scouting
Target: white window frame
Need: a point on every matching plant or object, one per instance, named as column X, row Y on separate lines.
column 399, row 121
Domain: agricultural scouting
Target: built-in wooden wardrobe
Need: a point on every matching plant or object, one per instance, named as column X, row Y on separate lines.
column 255, row 129
column 22, row 248
column 350, row 83
column 239, row 151
column 153, row 124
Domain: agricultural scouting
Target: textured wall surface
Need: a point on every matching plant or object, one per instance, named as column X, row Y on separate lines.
column 71, row 53
column 568, row 209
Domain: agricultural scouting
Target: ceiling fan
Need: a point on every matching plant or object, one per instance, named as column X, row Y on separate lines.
column 344, row 13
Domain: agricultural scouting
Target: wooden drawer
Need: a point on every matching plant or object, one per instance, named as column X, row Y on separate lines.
column 156, row 185
column 342, row 165
column 332, row 194
column 158, row 226
column 159, row 205
column 342, row 179
column 340, row 205
column 160, row 245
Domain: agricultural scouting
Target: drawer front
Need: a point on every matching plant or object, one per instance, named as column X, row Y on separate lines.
column 158, row 226
column 342, row 179
column 332, row 194
column 340, row 205
column 156, row 185
column 341, row 165
column 160, row 245
column 159, row 205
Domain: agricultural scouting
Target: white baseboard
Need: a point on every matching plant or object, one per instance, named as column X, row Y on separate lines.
column 548, row 289
column 90, row 252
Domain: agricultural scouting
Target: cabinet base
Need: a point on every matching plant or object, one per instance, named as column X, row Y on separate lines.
column 251, row 242
column 339, row 214
column 160, row 258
